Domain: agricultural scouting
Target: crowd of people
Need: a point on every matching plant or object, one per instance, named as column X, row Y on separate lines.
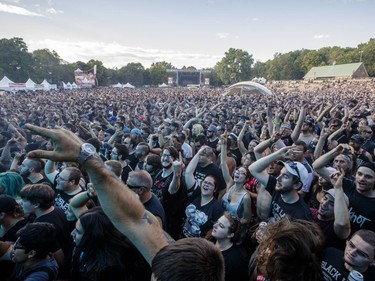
column 177, row 183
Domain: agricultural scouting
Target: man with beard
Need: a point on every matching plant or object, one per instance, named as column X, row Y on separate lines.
column 280, row 198
column 212, row 138
column 30, row 171
column 120, row 153
column 141, row 152
column 358, row 255
column 167, row 187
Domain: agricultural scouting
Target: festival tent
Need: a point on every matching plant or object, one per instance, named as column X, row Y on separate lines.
column 30, row 85
column 128, row 85
column 247, row 87
column 118, row 85
column 47, row 86
column 4, row 84
column 74, row 85
column 163, row 85
column 69, row 85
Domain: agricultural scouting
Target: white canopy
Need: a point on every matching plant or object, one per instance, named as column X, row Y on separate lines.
column 118, row 85
column 128, row 85
column 4, row 84
column 30, row 84
column 247, row 87
column 163, row 85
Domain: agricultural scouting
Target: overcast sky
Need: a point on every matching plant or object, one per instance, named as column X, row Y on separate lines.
column 184, row 33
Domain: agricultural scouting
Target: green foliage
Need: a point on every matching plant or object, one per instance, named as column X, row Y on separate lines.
column 158, row 72
column 236, row 65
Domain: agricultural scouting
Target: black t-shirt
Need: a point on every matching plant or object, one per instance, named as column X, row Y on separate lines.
column 361, row 208
column 237, row 153
column 154, row 207
column 333, row 267
column 200, row 219
column 125, row 173
column 235, row 264
column 279, row 209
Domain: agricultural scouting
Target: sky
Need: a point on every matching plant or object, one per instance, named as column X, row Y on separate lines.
column 185, row 33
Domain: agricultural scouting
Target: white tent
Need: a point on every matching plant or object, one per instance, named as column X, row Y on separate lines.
column 163, row 85
column 118, row 85
column 128, row 85
column 74, row 85
column 47, row 86
column 69, row 85
column 30, row 85
column 78, row 70
column 247, row 87
column 4, row 84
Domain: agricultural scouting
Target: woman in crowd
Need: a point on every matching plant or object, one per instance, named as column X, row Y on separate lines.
column 203, row 211
column 226, row 232
column 103, row 253
column 236, row 199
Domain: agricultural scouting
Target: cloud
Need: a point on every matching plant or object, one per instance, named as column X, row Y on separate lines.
column 54, row 11
column 222, row 35
column 255, row 19
column 321, row 36
column 11, row 9
column 116, row 55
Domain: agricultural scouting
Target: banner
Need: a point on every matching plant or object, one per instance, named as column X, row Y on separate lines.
column 170, row 80
column 85, row 79
column 207, row 81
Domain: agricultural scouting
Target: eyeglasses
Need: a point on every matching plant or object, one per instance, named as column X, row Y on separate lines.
column 166, row 155
column 61, row 179
column 238, row 171
column 17, row 246
column 334, row 125
column 351, row 245
column 133, row 186
column 368, row 132
column 208, row 183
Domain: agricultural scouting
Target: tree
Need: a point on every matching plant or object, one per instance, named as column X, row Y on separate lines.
column 46, row 66
column 15, row 61
column 132, row 73
column 368, row 56
column 235, row 66
column 158, row 72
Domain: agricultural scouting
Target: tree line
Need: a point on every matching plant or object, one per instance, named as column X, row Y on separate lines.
column 18, row 64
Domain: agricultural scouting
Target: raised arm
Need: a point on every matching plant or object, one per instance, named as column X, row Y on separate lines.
column 174, row 186
column 297, row 129
column 223, row 160
column 341, row 223
column 120, row 204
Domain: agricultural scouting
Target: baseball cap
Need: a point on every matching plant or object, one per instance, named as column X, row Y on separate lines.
column 370, row 165
column 110, row 131
column 296, row 169
column 357, row 138
column 112, row 118
column 136, row 131
column 332, row 192
column 286, row 125
column 212, row 128
column 7, row 204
